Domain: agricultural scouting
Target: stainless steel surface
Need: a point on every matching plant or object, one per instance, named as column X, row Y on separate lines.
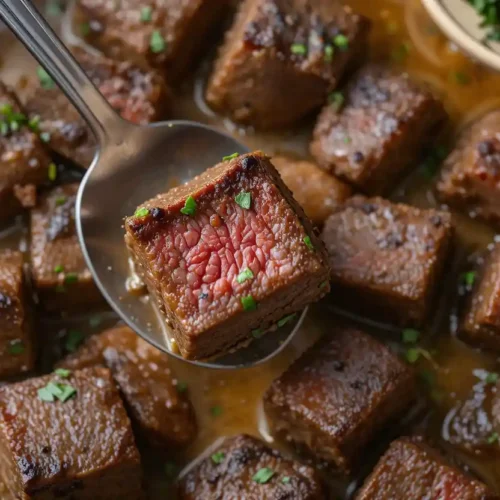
column 132, row 165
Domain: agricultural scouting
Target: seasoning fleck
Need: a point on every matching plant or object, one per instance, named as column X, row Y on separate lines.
column 308, row 242
column 218, row 457
column 286, row 319
column 329, row 51
column 216, row 411
column 230, row 157
column 298, row 49
column 146, row 14
column 157, row 43
column 336, row 99
column 248, row 303
column 341, row 41
column 141, row 212
column 73, row 340
column 189, row 207
column 245, row 275
column 262, row 476
column 410, row 336
column 44, row 78
column 52, row 172
column 244, row 200
column 62, row 372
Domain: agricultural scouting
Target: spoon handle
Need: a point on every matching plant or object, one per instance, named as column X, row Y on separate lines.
column 39, row 38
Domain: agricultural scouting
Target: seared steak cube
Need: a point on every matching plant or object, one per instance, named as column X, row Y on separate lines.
column 140, row 96
column 244, row 467
column 412, row 470
column 16, row 349
column 229, row 252
column 24, row 162
column 303, row 47
column 371, row 134
column 471, row 173
column 318, row 193
column 166, row 35
column 335, row 398
column 60, row 274
column 156, row 400
column 67, row 438
column 386, row 259
column 481, row 323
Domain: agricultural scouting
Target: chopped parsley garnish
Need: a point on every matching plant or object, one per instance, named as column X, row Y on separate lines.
column 489, row 10
column 181, row 387
column 401, row 52
column 218, row 457
column 216, row 411
column 493, row 438
column 45, row 137
column 141, row 212
column 34, row 122
column 329, row 51
column 469, row 278
column 336, row 99
column 61, row 200
column 230, row 157
column 16, row 347
column 54, row 8
column 263, row 475
column 248, row 303
column 189, row 207
column 257, row 333
column 410, row 336
column 4, row 128
column 85, row 29
column 6, row 109
column 146, row 14
column 73, row 340
column 157, row 43
column 62, row 372
column 59, row 269
column 53, row 391
column 52, row 172
column 70, row 278
column 285, row 479
column 244, row 200
column 347, row 139
column 491, row 378
column 460, row 77
column 308, row 242
column 298, row 49
column 341, row 41
column 413, row 354
column 44, row 78
column 286, row 319
column 245, row 275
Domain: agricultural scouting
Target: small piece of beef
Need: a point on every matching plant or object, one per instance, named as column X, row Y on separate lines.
column 24, row 162
column 80, row 449
column 245, row 467
column 304, row 47
column 16, row 349
column 140, row 96
column 166, row 35
column 471, row 173
column 412, row 470
column 373, row 133
column 386, row 259
column 226, row 253
column 318, row 193
column 156, row 402
column 60, row 274
column 481, row 324
column 335, row 398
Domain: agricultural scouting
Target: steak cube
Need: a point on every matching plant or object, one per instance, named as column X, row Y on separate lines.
column 412, row 470
column 335, row 398
column 318, row 193
column 78, row 446
column 60, row 274
column 244, row 467
column 140, row 96
column 166, row 35
column 481, row 324
column 470, row 175
column 303, row 47
column 24, row 162
column 156, row 401
column 16, row 349
column 373, row 133
column 229, row 252
column 386, row 259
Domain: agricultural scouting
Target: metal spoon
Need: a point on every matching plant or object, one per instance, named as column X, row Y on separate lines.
column 132, row 165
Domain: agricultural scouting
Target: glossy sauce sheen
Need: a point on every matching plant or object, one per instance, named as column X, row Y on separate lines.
column 228, row 403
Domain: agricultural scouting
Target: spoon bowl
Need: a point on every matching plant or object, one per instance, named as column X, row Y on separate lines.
column 133, row 164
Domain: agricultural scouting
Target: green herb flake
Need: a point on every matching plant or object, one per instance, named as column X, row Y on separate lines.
column 16, row 347
column 230, row 157
column 430, row 166
column 410, row 336
column 460, row 78
column 74, row 338
column 95, row 321
column 61, row 200
column 53, row 391
column 248, row 303
column 44, row 78
column 341, row 41
column 45, row 395
column 218, row 457
column 53, row 8
column 298, row 49
column 493, row 438
column 45, row 137
column 59, row 269
column 323, row 284
column 286, row 319
column 216, row 411
column 34, row 123
column 14, row 126
column 257, row 333
column 491, row 378
column 85, row 29
column 189, row 207
column 244, row 200
column 401, row 52
column 329, row 52
column 52, row 172
column 285, row 479
column 146, row 14
column 469, row 278
column 4, row 128
column 6, row 109
column 412, row 355
column 308, row 242
column 245, row 275
column 262, row 476
column 336, row 100
column 68, row 392
column 70, row 278
column 141, row 212
column 157, row 43
column 62, row 372
column 181, row 387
